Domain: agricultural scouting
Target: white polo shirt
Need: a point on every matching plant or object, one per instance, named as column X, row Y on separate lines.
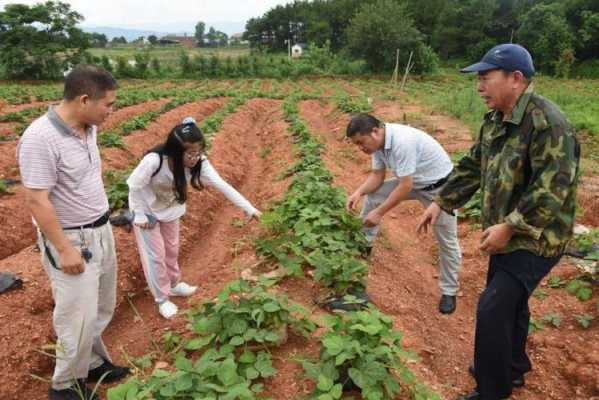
column 411, row 152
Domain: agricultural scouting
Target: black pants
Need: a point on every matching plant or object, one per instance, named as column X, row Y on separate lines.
column 502, row 320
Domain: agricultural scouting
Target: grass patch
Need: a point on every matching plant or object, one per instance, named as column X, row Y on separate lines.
column 456, row 95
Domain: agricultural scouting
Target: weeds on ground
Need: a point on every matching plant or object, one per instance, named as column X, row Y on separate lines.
column 111, row 139
column 4, row 189
column 353, row 104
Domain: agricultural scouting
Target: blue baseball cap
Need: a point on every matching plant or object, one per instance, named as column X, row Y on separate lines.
column 509, row 57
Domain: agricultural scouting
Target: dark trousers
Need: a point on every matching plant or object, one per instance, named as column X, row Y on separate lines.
column 502, row 319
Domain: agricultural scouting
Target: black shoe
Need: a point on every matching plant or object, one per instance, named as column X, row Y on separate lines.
column 366, row 253
column 516, row 382
column 354, row 300
column 78, row 391
column 447, row 304
column 470, row 396
column 108, row 372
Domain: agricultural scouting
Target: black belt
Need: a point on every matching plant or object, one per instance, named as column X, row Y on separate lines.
column 436, row 185
column 96, row 224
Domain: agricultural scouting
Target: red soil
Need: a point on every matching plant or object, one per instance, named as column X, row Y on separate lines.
column 402, row 279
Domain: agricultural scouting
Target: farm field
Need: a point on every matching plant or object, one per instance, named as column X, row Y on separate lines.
column 168, row 55
column 281, row 142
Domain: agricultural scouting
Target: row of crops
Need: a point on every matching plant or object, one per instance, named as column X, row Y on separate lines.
column 19, row 93
column 227, row 351
column 138, row 93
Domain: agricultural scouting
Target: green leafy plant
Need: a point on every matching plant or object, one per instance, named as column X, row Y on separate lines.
column 110, row 139
column 471, row 209
column 4, row 188
column 232, row 334
column 23, row 116
column 580, row 288
column 362, row 350
column 553, row 319
column 171, row 340
column 219, row 374
column 540, row 294
column 117, row 189
column 586, row 243
column 535, row 325
column 353, row 104
column 245, row 314
column 555, row 282
column 310, row 227
column 585, row 320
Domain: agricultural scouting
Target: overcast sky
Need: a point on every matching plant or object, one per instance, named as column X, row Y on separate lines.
column 152, row 14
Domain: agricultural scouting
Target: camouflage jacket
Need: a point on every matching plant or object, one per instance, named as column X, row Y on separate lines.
column 527, row 170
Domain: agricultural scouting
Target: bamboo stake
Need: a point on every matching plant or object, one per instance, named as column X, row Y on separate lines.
column 409, row 66
column 396, row 70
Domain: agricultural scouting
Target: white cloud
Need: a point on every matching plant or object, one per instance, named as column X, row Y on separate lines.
column 155, row 13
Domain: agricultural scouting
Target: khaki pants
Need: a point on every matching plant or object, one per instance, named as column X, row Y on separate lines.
column 445, row 229
column 84, row 303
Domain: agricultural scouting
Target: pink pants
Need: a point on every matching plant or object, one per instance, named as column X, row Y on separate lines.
column 159, row 250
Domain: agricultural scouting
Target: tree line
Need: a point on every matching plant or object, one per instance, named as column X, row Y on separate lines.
column 41, row 41
column 558, row 33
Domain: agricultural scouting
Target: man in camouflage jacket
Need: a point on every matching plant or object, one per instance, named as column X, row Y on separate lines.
column 525, row 164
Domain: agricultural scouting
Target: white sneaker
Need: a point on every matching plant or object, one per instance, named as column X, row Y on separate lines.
column 167, row 309
column 183, row 289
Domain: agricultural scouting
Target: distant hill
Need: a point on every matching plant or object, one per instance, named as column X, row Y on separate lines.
column 178, row 29
column 129, row 34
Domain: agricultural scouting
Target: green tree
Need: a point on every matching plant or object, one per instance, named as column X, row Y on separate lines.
column 118, row 40
column 379, row 29
column 460, row 30
column 211, row 37
column 546, row 34
column 153, row 40
column 98, row 40
column 583, row 18
column 278, row 25
column 222, row 39
column 199, row 33
column 426, row 15
column 589, row 32
column 40, row 41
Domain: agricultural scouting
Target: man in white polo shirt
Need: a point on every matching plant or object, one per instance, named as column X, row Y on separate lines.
column 420, row 167
column 61, row 170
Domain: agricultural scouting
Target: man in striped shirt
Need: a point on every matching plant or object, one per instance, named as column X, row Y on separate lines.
column 61, row 170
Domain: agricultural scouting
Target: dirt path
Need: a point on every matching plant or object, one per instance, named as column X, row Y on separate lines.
column 403, row 280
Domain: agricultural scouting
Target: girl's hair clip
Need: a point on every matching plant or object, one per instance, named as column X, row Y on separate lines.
column 188, row 120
